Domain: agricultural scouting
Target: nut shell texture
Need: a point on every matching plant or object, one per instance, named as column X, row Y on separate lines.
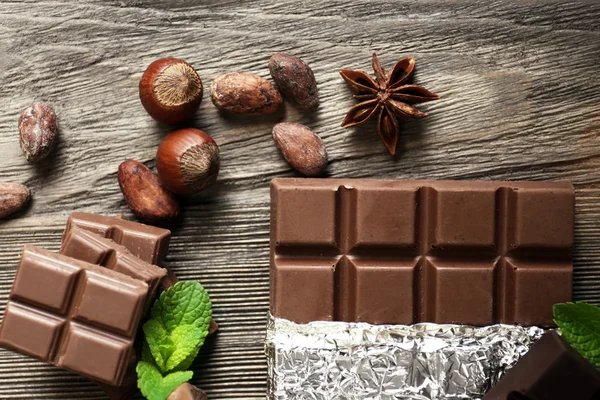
column 13, row 197
column 187, row 161
column 295, row 80
column 301, row 147
column 145, row 195
column 171, row 90
column 244, row 94
column 38, row 131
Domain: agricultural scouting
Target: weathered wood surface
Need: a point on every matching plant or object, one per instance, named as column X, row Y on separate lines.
column 520, row 87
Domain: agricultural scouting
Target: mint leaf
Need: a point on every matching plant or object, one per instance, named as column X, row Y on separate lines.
column 152, row 384
column 185, row 303
column 579, row 324
column 160, row 344
column 188, row 339
column 169, row 350
column 185, row 364
column 147, row 354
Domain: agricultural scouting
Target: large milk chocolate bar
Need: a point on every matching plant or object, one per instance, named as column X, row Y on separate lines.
column 146, row 242
column 402, row 252
column 95, row 249
column 72, row 314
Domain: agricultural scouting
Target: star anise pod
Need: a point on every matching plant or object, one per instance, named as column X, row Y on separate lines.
column 390, row 93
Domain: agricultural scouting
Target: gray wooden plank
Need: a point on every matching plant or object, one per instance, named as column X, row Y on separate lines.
column 520, row 100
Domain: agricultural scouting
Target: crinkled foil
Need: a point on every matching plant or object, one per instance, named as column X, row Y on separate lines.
column 337, row 360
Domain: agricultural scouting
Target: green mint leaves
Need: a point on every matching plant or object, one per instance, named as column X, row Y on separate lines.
column 156, row 387
column 178, row 325
column 186, row 303
column 579, row 324
column 170, row 349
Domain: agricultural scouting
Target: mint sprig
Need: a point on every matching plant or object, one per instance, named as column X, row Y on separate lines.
column 179, row 324
column 185, row 303
column 154, row 386
column 579, row 324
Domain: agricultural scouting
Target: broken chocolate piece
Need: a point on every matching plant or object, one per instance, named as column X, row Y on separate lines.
column 94, row 249
column 402, row 252
column 72, row 314
column 186, row 391
column 146, row 242
column 551, row 370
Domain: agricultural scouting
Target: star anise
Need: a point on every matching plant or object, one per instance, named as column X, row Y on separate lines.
column 391, row 93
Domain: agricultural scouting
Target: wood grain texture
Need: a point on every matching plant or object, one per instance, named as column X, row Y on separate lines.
column 520, row 100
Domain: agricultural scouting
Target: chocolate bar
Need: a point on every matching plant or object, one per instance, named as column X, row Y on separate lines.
column 551, row 370
column 95, row 249
column 402, row 252
column 72, row 314
column 146, row 242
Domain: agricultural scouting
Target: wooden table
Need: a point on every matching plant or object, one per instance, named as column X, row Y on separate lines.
column 520, row 87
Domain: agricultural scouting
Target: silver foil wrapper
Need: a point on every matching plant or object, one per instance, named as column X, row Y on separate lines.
column 337, row 360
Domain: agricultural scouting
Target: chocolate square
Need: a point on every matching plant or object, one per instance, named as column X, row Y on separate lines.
column 87, row 326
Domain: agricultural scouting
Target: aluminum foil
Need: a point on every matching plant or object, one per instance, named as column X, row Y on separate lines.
column 337, row 360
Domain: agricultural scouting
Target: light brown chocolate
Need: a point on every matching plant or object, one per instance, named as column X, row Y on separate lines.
column 146, row 242
column 402, row 252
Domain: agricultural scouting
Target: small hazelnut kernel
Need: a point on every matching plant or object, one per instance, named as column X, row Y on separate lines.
column 171, row 90
column 187, row 161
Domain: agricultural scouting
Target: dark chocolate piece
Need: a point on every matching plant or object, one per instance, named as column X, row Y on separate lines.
column 467, row 252
column 94, row 249
column 185, row 391
column 75, row 315
column 551, row 370
column 168, row 281
column 146, row 242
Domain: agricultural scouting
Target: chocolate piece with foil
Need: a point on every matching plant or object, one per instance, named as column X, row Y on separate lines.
column 75, row 315
column 403, row 252
column 94, row 249
column 551, row 370
column 146, row 242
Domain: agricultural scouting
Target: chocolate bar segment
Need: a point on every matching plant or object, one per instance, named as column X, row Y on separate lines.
column 94, row 249
column 72, row 314
column 551, row 370
column 401, row 252
column 146, row 242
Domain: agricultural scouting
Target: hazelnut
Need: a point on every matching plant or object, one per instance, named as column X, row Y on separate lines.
column 187, row 161
column 145, row 195
column 171, row 90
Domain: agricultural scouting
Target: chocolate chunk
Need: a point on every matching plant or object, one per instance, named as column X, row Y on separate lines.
column 186, row 391
column 94, row 249
column 75, row 315
column 385, row 252
column 551, row 370
column 146, row 242
column 168, row 281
